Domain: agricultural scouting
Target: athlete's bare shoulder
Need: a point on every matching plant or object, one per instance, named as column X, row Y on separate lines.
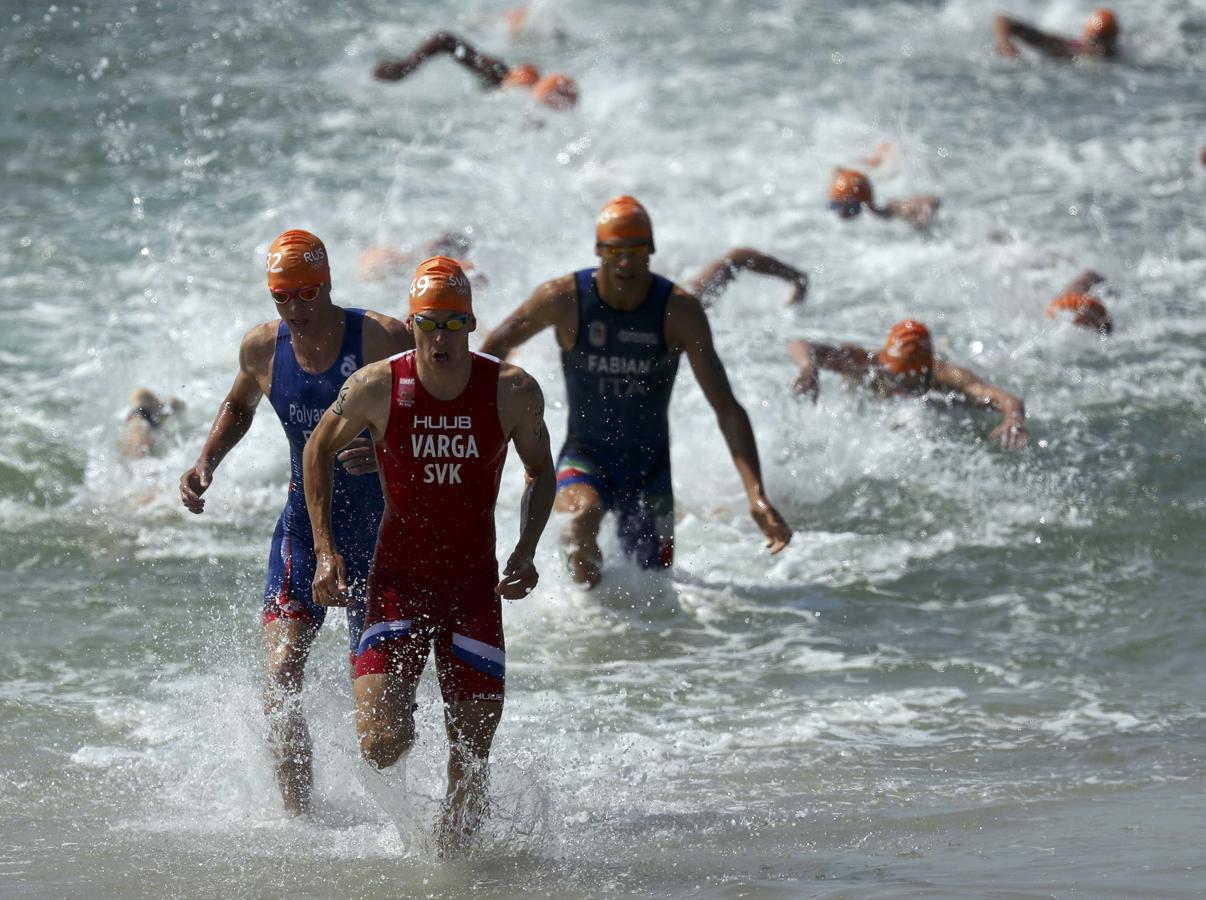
column 520, row 398
column 384, row 336
column 258, row 347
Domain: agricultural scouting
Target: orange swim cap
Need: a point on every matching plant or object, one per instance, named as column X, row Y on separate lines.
column 850, row 184
column 522, row 75
column 623, row 219
column 1086, row 311
column 297, row 259
column 907, row 349
column 557, row 91
column 1102, row 26
column 440, row 283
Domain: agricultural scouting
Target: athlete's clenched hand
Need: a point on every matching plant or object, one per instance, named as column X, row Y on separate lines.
column 330, row 586
column 519, row 577
column 358, row 457
column 193, row 483
column 773, row 525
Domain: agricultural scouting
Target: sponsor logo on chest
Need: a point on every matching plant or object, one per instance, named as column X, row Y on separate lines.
column 442, row 438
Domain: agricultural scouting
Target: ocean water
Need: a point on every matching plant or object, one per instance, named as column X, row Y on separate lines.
column 972, row 673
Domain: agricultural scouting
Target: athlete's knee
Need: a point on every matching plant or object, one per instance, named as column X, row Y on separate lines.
column 383, row 744
column 581, row 502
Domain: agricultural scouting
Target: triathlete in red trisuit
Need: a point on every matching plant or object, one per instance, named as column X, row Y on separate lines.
column 440, row 417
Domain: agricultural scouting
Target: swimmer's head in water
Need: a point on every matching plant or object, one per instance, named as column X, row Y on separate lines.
column 849, row 191
column 1083, row 310
column 908, row 352
column 623, row 219
column 522, row 75
column 556, row 91
column 1102, row 28
column 297, row 259
column 440, row 283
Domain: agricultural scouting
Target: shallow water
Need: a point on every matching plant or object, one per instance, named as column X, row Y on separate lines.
column 971, row 673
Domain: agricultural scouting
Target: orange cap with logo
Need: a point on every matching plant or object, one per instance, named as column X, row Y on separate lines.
column 1102, row 25
column 850, row 184
column 440, row 283
column 297, row 259
column 522, row 75
column 1086, row 311
column 907, row 349
column 623, row 219
column 557, row 91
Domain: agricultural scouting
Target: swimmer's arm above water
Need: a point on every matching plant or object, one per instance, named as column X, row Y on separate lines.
column 1011, row 433
column 489, row 69
column 918, row 211
column 234, row 416
column 709, row 284
column 687, row 330
column 1084, row 282
column 521, row 413
column 554, row 303
column 848, row 360
column 363, row 402
column 1006, row 29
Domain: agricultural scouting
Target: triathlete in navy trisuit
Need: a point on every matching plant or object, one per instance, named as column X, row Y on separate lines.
column 300, row 362
column 621, row 330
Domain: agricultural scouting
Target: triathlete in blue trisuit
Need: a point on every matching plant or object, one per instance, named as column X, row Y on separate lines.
column 300, row 362
column 621, row 330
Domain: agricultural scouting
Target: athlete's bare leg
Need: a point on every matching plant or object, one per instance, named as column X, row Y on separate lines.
column 288, row 643
column 385, row 718
column 470, row 725
column 580, row 538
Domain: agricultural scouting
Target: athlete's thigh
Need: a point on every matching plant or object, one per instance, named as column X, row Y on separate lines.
column 583, row 486
column 287, row 589
column 382, row 701
column 646, row 523
column 470, row 652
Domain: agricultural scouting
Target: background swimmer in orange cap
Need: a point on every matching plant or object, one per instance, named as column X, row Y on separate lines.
column 907, row 367
column 1100, row 40
column 1080, row 308
column 556, row 90
column 710, row 283
column 851, row 190
column 385, row 262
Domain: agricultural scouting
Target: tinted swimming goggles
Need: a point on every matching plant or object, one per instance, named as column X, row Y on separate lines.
column 453, row 323
column 847, row 208
column 309, row 294
column 609, row 252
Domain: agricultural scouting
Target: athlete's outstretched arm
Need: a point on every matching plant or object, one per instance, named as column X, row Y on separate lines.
column 1083, row 282
column 1011, row 433
column 230, row 425
column 358, row 406
column 522, row 409
column 709, row 284
column 553, row 303
column 687, row 329
column 1006, row 29
column 490, row 69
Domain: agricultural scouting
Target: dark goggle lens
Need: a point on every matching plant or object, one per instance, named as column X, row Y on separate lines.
column 456, row 323
column 846, row 207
